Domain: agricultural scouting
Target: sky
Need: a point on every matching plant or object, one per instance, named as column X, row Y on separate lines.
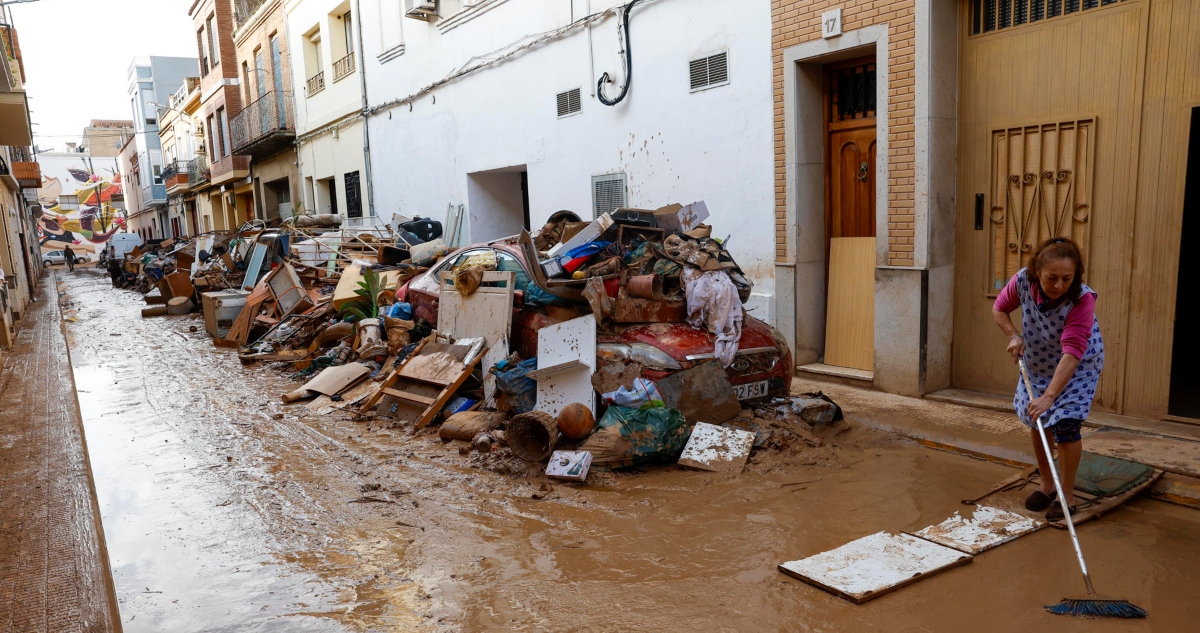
column 77, row 54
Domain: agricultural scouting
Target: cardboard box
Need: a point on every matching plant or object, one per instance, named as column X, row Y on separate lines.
column 676, row 218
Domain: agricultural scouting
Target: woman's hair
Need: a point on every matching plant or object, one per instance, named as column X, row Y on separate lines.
column 1060, row 248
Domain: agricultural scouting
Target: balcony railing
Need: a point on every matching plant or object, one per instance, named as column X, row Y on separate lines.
column 244, row 9
column 343, row 67
column 197, row 171
column 175, row 174
column 264, row 126
column 316, row 83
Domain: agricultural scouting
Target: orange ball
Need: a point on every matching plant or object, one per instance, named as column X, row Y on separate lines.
column 575, row 421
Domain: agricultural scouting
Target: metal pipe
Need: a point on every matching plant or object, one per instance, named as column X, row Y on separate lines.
column 362, row 82
column 591, row 53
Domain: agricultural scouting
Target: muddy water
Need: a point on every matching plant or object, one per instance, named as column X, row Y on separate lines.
column 216, row 494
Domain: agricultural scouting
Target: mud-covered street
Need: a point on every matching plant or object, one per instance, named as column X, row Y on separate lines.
column 226, row 510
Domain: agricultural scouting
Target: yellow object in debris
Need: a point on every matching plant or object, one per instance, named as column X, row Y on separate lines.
column 577, row 274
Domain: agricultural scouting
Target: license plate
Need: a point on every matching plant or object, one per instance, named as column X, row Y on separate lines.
column 751, row 390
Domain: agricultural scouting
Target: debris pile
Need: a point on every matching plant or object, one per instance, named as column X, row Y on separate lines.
column 617, row 342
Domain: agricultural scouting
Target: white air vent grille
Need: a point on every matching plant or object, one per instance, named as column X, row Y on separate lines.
column 569, row 103
column 710, row 71
column 608, row 193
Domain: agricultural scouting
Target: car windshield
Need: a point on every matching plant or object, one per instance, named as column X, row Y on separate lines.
column 505, row 262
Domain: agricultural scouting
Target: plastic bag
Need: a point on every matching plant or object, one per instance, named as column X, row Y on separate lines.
column 512, row 379
column 631, row 437
column 643, row 393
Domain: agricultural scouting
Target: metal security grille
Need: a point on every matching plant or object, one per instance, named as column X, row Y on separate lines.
column 852, row 93
column 608, row 193
column 710, row 71
column 992, row 15
column 569, row 103
column 353, row 196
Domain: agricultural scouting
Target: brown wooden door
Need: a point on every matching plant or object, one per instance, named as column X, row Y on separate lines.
column 850, row 214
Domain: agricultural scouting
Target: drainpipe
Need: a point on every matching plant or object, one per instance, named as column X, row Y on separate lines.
column 362, row 80
column 591, row 54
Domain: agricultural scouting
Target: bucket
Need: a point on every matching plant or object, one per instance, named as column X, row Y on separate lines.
column 532, row 436
column 645, row 287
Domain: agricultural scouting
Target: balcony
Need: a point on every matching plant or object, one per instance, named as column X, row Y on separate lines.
column 197, row 171
column 343, row 67
column 175, row 176
column 243, row 10
column 265, row 126
column 316, row 83
column 230, row 168
column 28, row 174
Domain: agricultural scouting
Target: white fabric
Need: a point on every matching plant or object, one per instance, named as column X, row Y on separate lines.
column 713, row 302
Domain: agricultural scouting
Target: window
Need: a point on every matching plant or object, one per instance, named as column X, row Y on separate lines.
column 608, row 193
column 200, row 52
column 569, row 103
column 213, row 53
column 158, row 174
column 259, row 73
column 992, row 15
column 220, row 132
column 212, row 140
column 225, row 130
column 68, row 203
column 709, row 72
column 348, row 30
column 246, row 82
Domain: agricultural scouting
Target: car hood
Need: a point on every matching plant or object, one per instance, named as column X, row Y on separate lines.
column 681, row 340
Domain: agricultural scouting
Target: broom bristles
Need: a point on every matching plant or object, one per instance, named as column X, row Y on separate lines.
column 1097, row 608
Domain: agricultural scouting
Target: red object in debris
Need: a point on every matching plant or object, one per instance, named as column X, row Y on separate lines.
column 762, row 369
column 612, row 287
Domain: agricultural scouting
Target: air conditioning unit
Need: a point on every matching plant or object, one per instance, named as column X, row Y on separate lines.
column 420, row 9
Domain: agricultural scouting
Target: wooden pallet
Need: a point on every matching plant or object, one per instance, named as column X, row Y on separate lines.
column 423, row 384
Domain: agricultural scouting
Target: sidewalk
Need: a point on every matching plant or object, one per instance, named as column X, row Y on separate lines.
column 54, row 572
column 987, row 430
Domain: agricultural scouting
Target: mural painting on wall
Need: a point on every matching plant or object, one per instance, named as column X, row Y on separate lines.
column 77, row 211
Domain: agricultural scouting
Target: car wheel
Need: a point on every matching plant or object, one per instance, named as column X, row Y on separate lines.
column 45, row 264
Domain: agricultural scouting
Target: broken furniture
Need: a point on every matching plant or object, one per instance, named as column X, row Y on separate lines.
column 418, row 390
column 566, row 360
column 221, row 307
column 331, row 381
column 486, row 313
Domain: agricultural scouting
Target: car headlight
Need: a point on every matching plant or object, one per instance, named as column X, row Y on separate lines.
column 648, row 355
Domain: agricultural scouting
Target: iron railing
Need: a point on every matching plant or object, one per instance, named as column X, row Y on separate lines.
column 270, row 113
column 343, row 67
column 197, row 170
column 176, row 174
column 244, row 9
column 316, row 83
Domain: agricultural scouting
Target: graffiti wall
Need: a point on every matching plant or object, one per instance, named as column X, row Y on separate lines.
column 80, row 198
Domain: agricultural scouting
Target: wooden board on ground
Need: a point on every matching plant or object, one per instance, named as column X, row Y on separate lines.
column 716, row 448
column 980, row 529
column 566, row 360
column 873, row 565
column 487, row 312
column 333, row 380
column 850, row 311
column 1090, row 507
column 701, row 393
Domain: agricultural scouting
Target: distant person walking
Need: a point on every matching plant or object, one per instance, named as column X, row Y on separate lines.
column 1064, row 352
column 69, row 255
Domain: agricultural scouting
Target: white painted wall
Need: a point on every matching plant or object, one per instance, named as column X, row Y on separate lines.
column 339, row 97
column 673, row 145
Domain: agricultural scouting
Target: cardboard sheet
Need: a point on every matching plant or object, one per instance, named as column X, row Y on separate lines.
column 874, row 565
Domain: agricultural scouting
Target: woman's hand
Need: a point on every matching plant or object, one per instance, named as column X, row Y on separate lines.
column 1016, row 347
column 1040, row 405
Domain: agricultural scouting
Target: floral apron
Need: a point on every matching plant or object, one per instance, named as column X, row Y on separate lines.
column 1042, row 333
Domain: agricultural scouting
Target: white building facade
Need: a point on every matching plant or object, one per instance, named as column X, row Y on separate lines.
column 328, row 104
column 522, row 133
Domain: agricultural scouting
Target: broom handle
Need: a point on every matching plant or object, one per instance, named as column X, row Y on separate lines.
column 1062, row 499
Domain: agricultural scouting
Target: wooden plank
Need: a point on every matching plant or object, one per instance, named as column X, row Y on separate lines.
column 411, row 397
column 983, row 529
column 850, row 318
column 874, row 565
column 374, row 398
column 438, row 363
column 441, row 401
column 333, row 380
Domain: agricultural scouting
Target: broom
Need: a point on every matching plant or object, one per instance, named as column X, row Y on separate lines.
column 1093, row 604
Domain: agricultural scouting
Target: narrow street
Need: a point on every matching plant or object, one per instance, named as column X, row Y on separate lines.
column 226, row 510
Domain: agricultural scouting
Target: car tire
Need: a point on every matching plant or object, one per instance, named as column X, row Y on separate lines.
column 45, row 263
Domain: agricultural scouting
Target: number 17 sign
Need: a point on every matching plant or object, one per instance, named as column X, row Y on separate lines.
column 831, row 23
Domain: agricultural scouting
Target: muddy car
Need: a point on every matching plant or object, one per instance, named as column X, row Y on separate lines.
column 761, row 369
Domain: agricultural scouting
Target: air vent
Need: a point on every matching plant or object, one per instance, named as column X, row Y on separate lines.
column 709, row 72
column 569, row 103
column 608, row 193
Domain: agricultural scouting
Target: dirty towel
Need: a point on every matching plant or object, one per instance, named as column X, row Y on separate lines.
column 631, row 437
column 713, row 302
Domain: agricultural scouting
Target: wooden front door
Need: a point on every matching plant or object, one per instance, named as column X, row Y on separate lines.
column 1049, row 118
column 850, row 214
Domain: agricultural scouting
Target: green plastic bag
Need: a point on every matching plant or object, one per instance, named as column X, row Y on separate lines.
column 632, row 437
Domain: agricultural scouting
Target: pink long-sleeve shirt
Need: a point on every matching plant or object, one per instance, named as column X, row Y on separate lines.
column 1078, row 328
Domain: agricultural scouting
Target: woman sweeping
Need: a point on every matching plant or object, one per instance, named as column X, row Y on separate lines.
column 1064, row 352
